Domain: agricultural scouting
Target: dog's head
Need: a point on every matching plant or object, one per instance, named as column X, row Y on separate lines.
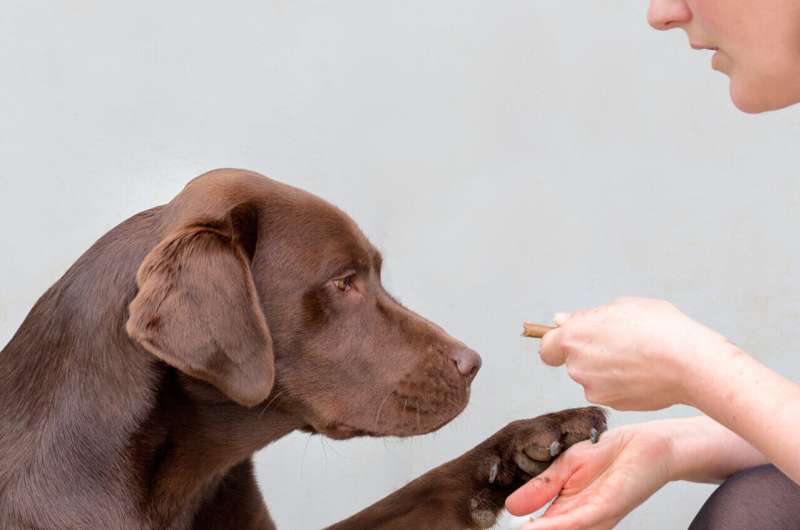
column 267, row 292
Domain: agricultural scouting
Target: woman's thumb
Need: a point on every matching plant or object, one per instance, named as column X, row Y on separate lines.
column 538, row 491
column 560, row 318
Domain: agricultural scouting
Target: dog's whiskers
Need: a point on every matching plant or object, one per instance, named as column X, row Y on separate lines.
column 270, row 403
column 303, row 458
column 380, row 408
column 324, row 451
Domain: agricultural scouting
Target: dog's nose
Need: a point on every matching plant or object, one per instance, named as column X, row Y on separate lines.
column 467, row 361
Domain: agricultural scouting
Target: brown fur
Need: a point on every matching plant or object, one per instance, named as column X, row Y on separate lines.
column 195, row 333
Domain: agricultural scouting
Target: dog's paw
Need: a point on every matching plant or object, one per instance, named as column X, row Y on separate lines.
column 522, row 450
column 537, row 442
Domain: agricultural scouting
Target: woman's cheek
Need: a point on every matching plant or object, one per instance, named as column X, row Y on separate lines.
column 714, row 14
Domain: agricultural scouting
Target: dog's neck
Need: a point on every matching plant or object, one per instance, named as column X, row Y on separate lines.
column 188, row 443
column 177, row 447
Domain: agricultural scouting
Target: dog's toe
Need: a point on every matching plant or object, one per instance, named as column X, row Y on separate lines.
column 528, row 465
column 540, row 440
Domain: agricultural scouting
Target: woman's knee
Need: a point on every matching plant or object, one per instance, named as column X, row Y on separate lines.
column 761, row 498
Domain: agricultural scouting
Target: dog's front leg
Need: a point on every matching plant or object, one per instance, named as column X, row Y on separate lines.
column 236, row 504
column 468, row 493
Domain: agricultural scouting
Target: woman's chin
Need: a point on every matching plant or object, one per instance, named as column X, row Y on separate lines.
column 752, row 97
column 747, row 104
column 749, row 100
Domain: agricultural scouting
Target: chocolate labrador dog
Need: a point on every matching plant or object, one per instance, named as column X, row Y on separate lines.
column 195, row 333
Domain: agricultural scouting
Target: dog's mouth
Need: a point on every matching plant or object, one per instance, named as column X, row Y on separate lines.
column 343, row 431
column 396, row 415
column 419, row 402
column 339, row 431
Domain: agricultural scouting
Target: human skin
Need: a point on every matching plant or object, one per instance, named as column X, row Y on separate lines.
column 640, row 354
column 599, row 484
column 637, row 354
column 756, row 43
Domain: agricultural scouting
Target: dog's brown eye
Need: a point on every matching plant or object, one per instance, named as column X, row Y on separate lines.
column 344, row 284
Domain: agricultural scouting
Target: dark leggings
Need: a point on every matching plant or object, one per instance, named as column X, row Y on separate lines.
column 761, row 498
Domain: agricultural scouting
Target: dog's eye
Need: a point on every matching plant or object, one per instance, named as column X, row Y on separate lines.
column 344, row 284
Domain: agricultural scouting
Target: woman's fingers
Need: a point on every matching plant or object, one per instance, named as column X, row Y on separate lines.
column 550, row 350
column 565, row 504
column 570, row 473
column 578, row 519
column 540, row 490
column 561, row 318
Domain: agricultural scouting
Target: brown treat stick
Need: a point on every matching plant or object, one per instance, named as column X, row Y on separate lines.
column 536, row 331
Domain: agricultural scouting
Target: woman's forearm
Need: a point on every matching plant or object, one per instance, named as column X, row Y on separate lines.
column 702, row 450
column 756, row 403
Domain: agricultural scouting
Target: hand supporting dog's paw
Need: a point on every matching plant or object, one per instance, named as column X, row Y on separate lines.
column 522, row 450
column 469, row 492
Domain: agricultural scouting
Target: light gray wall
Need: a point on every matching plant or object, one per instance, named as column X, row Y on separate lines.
column 511, row 159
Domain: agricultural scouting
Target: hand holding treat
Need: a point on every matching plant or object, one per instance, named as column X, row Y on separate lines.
column 632, row 354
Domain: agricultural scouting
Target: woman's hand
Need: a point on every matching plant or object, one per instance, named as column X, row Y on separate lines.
column 637, row 354
column 597, row 485
column 634, row 354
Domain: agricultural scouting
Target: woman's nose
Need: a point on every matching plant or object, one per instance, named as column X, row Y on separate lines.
column 668, row 14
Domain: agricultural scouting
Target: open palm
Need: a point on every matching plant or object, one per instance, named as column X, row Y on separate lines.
column 596, row 485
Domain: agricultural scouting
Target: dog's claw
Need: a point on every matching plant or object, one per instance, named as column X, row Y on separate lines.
column 595, row 436
column 555, row 449
column 493, row 472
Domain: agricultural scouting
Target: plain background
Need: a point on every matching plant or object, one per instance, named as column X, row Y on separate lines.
column 511, row 159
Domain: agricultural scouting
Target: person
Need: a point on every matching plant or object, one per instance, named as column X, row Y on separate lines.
column 637, row 354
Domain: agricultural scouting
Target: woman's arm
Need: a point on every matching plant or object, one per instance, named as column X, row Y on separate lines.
column 753, row 401
column 702, row 450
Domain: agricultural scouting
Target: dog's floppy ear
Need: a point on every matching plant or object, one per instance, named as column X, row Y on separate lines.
column 197, row 309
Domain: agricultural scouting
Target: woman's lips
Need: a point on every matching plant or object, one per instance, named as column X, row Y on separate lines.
column 716, row 63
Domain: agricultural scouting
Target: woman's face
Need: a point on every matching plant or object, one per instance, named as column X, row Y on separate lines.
column 757, row 44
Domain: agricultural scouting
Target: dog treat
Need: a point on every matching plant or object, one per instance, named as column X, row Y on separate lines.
column 536, row 331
